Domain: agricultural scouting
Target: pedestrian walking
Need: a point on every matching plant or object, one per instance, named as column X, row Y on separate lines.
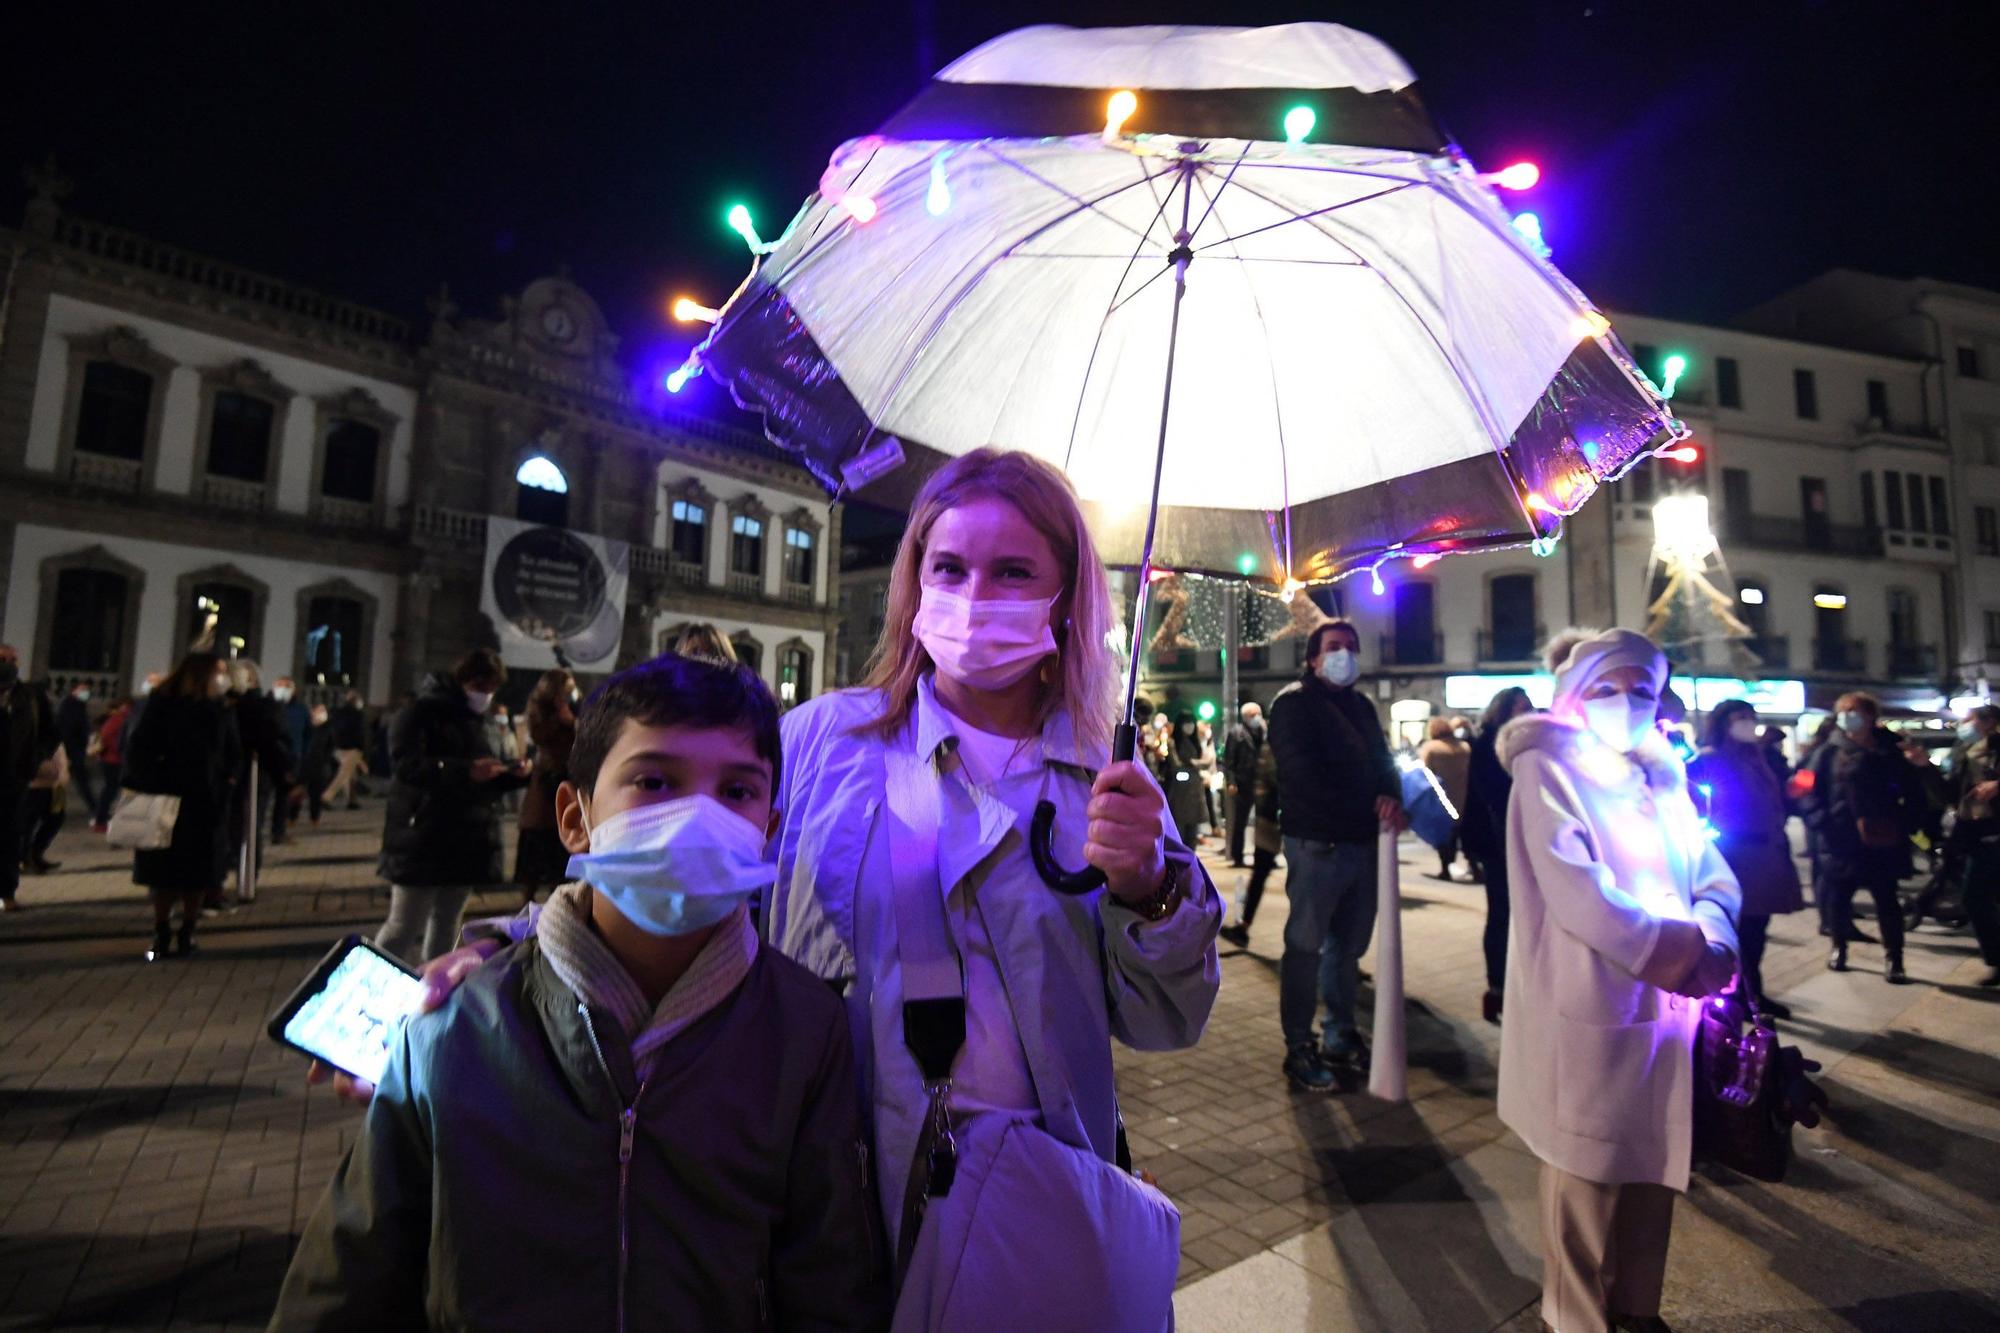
column 1745, row 804
column 186, row 745
column 992, row 689
column 350, row 753
column 1450, row 761
column 42, row 817
column 1483, row 831
column 1338, row 788
column 540, row 860
column 294, row 721
column 1266, row 842
column 1242, row 747
column 1864, row 805
column 27, row 737
column 73, row 726
column 317, row 764
column 1976, row 781
column 109, row 746
column 1623, row 917
column 441, row 836
column 750, row 1204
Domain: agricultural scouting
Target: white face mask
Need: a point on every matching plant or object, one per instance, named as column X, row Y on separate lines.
column 1340, row 667
column 1621, row 721
column 985, row 645
column 83, row 696
column 479, row 700
column 283, row 694
column 1854, row 723
column 1744, row 729
column 145, row 688
column 675, row 867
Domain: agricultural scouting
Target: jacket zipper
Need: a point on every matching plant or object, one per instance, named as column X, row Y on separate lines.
column 628, row 1120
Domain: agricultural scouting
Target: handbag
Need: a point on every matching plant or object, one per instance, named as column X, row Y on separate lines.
column 1739, row 1116
column 143, row 821
column 1017, row 1229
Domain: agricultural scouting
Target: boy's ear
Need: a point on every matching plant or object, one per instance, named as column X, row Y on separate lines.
column 569, row 819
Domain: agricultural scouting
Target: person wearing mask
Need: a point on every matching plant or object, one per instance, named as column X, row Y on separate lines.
column 1623, row 918
column 540, row 860
column 350, row 754
column 1241, row 748
column 441, row 836
column 294, row 719
column 994, row 688
column 1976, row 781
column 1185, row 777
column 1265, row 843
column 1798, row 789
column 73, row 727
column 27, row 737
column 186, row 745
column 43, row 815
column 1482, row 829
column 316, row 761
column 1864, row 805
column 1745, row 804
column 1450, row 761
column 1337, row 789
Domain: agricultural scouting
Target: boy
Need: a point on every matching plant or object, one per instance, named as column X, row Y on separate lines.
column 640, row 1118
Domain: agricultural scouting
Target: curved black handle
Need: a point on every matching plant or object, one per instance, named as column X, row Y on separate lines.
column 1042, row 831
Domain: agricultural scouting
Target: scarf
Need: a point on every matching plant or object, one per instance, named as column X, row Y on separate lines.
column 585, row 964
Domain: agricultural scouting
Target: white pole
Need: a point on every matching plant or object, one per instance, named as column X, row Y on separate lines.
column 246, row 861
column 1387, row 1068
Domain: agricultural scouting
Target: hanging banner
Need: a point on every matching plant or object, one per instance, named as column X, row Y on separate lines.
column 556, row 597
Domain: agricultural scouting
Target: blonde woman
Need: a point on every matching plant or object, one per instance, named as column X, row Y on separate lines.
column 995, row 687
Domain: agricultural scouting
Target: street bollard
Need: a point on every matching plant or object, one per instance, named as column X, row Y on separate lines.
column 1387, row 1070
column 246, row 859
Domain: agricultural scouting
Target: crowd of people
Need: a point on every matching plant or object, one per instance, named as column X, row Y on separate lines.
column 827, row 930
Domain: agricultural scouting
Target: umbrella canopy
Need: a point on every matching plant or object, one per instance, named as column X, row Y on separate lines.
column 1370, row 363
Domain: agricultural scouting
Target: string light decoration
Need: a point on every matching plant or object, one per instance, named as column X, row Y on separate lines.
column 1528, row 226
column 1672, row 368
column 1519, row 176
column 1688, row 609
column 1299, row 122
column 1117, row 111
column 690, row 311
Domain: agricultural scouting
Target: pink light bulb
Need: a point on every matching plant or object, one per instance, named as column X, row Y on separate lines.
column 1519, row 176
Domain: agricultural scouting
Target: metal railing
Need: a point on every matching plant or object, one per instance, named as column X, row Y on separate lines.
column 799, row 594
column 229, row 493
column 745, row 585
column 1411, row 649
column 455, row 525
column 1771, row 532
column 1512, row 646
column 1913, row 661
column 339, row 513
column 1773, row 650
column 1840, row 655
column 104, row 473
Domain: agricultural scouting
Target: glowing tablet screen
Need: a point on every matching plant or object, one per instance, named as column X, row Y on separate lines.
column 353, row 1020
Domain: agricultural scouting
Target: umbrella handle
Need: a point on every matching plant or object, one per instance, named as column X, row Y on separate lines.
column 1042, row 832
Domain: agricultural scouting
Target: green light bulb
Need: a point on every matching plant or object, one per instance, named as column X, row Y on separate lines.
column 1246, row 563
column 1299, row 122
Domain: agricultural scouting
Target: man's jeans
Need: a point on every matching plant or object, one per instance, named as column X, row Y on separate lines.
column 1331, row 886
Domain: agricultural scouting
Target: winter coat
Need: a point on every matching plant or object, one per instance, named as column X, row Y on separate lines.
column 442, row 828
column 73, row 725
column 188, row 748
column 1265, row 833
column 488, row 1187
column 111, row 736
column 553, row 735
column 1976, row 763
column 317, row 764
column 350, row 728
column 1616, row 892
column 1746, row 805
column 27, row 736
column 1852, row 782
column 297, row 722
column 262, row 725
column 1241, row 748
column 1450, row 762
column 1482, row 820
column 1333, row 763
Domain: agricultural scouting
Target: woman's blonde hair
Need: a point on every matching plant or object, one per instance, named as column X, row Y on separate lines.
column 1083, row 679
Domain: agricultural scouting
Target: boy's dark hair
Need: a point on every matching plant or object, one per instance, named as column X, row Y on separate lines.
column 1316, row 641
column 481, row 666
column 673, row 691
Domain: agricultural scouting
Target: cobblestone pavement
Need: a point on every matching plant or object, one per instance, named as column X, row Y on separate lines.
column 158, row 1152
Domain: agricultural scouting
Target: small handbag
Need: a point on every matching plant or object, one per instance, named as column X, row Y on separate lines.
column 1739, row 1115
column 143, row 821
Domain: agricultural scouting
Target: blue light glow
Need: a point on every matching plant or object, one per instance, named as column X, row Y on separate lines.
column 538, row 473
column 1591, row 448
column 1529, row 227
column 677, row 379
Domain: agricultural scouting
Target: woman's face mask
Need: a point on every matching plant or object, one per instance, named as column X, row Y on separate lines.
column 1620, row 720
column 1339, row 667
column 675, row 867
column 987, row 644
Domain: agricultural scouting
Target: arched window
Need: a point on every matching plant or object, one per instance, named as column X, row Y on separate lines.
column 88, row 633
column 333, row 630
column 239, row 437
column 794, row 674
column 224, row 616
column 541, row 492
column 748, row 651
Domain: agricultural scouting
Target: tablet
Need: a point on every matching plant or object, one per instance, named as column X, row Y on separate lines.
column 350, row 1009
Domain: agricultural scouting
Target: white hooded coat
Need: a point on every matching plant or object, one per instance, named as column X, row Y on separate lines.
column 1617, row 891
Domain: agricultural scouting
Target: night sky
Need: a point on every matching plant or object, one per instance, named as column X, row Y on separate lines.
column 1698, row 157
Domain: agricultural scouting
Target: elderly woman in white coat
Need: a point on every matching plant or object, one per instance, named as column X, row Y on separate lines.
column 1623, row 918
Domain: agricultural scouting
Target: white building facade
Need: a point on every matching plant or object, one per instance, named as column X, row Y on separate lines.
column 190, row 448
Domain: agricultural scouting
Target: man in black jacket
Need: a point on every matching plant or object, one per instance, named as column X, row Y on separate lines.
column 27, row 737
column 1337, row 789
column 1240, row 750
column 350, row 753
column 73, row 726
column 441, row 837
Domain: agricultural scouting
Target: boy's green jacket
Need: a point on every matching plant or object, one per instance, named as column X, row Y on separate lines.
column 496, row 1183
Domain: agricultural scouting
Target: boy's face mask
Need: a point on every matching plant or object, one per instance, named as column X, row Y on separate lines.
column 675, row 867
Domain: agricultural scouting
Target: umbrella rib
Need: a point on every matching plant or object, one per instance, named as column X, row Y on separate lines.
column 1481, row 408
column 1083, row 205
column 1277, row 401
column 1110, row 309
column 1216, row 198
column 1302, row 217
